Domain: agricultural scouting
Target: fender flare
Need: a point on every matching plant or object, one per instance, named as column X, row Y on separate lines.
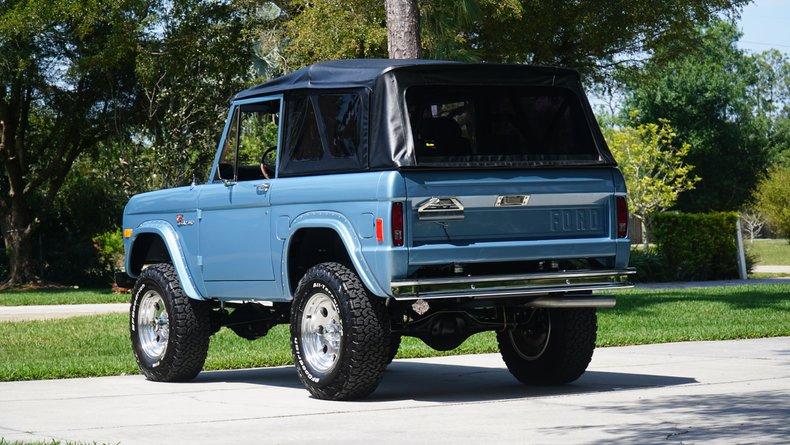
column 171, row 240
column 345, row 230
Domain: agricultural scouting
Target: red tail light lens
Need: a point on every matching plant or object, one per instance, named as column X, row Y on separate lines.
column 622, row 217
column 397, row 224
column 379, row 230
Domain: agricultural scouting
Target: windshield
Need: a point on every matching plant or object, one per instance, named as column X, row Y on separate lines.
column 479, row 126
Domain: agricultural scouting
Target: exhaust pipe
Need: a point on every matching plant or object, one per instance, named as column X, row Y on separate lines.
column 571, row 301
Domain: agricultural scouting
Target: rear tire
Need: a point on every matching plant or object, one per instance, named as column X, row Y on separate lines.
column 560, row 354
column 170, row 332
column 394, row 344
column 340, row 334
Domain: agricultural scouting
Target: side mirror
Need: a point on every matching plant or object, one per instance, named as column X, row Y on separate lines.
column 229, row 182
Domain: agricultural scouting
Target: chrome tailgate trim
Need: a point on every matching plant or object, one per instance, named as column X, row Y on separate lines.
column 512, row 285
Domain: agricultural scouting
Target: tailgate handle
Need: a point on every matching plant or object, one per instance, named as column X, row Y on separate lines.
column 438, row 209
column 511, row 200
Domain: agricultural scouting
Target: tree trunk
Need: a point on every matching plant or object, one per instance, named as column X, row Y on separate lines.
column 645, row 241
column 403, row 29
column 18, row 238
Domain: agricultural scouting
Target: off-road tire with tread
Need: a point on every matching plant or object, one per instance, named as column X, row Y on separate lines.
column 565, row 358
column 190, row 327
column 394, row 344
column 364, row 350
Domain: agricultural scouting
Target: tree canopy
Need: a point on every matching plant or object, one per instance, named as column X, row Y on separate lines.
column 66, row 84
column 717, row 103
column 590, row 36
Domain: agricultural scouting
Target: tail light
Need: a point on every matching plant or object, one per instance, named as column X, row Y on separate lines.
column 379, row 230
column 622, row 217
column 397, row 224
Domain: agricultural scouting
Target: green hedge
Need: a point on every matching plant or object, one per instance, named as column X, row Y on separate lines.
column 696, row 246
column 649, row 265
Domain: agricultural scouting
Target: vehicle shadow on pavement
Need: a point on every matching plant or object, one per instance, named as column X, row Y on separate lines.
column 759, row 416
column 462, row 383
column 438, row 382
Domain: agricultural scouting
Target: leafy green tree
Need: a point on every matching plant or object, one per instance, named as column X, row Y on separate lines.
column 772, row 198
column 66, row 84
column 334, row 29
column 590, row 36
column 772, row 97
column 705, row 93
column 654, row 167
column 195, row 56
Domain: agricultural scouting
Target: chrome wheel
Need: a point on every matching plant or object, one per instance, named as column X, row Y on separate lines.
column 531, row 339
column 321, row 333
column 153, row 325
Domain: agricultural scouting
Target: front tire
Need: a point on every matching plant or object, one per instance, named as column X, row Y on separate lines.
column 170, row 332
column 339, row 334
column 554, row 347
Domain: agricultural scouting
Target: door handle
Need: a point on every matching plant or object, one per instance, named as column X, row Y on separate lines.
column 262, row 189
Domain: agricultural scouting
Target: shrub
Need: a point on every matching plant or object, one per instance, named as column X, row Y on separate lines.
column 773, row 199
column 649, row 265
column 697, row 246
column 109, row 249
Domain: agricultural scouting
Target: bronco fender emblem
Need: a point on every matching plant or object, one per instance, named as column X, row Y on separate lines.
column 182, row 222
column 440, row 209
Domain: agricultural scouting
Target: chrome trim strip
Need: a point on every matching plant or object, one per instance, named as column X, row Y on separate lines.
column 515, row 277
column 511, row 292
column 517, row 285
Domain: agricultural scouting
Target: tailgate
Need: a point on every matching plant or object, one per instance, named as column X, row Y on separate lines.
column 466, row 216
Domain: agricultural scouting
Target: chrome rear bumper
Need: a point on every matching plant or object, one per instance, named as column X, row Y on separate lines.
column 519, row 285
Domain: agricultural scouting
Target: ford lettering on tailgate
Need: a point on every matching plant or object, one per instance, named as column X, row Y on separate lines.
column 575, row 220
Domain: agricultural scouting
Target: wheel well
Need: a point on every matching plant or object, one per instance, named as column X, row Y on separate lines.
column 148, row 248
column 312, row 246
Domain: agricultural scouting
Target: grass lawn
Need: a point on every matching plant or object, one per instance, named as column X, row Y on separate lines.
column 99, row 345
column 773, row 252
column 60, row 296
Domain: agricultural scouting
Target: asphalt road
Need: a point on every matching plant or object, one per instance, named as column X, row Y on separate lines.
column 727, row 391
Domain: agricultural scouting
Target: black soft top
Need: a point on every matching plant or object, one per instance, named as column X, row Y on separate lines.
column 386, row 139
column 363, row 73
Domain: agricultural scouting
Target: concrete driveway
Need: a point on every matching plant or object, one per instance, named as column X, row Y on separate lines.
column 49, row 312
column 728, row 391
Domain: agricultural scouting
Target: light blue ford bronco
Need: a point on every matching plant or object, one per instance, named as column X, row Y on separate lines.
column 363, row 200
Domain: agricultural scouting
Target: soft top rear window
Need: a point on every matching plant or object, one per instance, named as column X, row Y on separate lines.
column 493, row 126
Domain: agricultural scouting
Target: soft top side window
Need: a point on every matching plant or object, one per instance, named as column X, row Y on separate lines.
column 324, row 133
column 251, row 144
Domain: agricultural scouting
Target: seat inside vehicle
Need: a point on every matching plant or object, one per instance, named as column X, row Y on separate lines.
column 441, row 136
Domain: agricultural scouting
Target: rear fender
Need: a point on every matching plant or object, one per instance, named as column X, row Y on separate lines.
column 169, row 236
column 344, row 228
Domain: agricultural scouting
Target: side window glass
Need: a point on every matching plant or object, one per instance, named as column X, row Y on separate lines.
column 258, row 140
column 324, row 132
column 228, row 157
column 340, row 113
column 250, row 147
column 308, row 145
